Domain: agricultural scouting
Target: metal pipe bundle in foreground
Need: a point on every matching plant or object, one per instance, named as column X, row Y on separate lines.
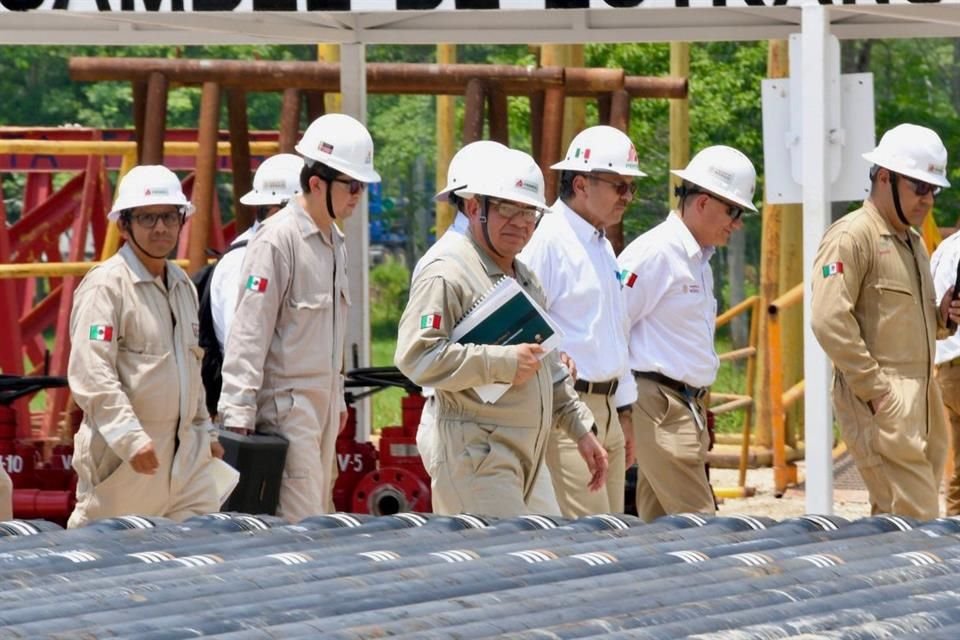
column 423, row 576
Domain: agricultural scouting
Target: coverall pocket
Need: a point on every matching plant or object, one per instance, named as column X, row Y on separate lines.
column 148, row 380
column 477, row 446
column 858, row 426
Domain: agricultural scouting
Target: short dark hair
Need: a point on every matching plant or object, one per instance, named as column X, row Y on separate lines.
column 565, row 188
column 313, row 168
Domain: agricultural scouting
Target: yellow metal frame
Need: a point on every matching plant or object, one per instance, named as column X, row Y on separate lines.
column 784, row 473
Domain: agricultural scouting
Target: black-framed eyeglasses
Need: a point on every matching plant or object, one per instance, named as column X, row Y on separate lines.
column 620, row 187
column 170, row 218
column 511, row 210
column 354, row 186
column 922, row 188
column 733, row 210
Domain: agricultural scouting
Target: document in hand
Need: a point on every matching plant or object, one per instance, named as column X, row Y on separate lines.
column 506, row 315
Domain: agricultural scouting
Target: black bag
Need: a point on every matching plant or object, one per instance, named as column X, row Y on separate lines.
column 212, row 353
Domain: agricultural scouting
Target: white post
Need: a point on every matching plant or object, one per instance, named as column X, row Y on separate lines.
column 816, row 217
column 353, row 89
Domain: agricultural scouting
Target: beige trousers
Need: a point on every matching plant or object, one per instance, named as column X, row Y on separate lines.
column 900, row 462
column 6, row 496
column 948, row 375
column 670, row 454
column 569, row 470
column 540, row 501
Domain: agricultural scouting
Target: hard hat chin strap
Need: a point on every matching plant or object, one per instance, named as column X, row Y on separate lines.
column 483, row 227
column 896, row 198
column 126, row 217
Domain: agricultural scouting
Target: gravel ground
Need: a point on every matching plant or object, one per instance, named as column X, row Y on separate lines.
column 849, row 503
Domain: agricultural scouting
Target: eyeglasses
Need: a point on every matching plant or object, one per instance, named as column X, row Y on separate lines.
column 510, row 210
column 922, row 188
column 733, row 210
column 620, row 187
column 170, row 218
column 354, row 186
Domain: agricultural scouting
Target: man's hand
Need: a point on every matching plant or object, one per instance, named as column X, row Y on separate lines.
column 343, row 422
column 877, row 404
column 145, row 460
column 571, row 366
column 950, row 308
column 596, row 458
column 216, row 449
column 528, row 362
column 629, row 441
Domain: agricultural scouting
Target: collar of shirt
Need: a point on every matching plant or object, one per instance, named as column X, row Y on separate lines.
column 687, row 241
column 140, row 273
column 248, row 234
column 584, row 231
column 460, row 223
column 308, row 227
column 883, row 226
column 489, row 265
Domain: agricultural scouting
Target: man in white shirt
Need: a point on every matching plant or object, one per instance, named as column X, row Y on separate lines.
column 943, row 264
column 578, row 270
column 668, row 288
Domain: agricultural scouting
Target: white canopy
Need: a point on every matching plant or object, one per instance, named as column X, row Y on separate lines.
column 129, row 22
column 360, row 22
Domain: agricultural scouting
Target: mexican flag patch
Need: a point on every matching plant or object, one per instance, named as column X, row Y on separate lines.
column 627, row 278
column 430, row 321
column 832, row 269
column 101, row 332
column 257, row 283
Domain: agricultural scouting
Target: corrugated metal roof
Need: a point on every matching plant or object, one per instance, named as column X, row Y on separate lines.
column 425, row 576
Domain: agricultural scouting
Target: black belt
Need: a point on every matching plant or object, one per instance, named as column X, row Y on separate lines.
column 680, row 387
column 600, row 388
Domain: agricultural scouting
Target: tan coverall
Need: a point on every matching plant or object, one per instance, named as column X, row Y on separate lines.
column 6, row 496
column 488, row 455
column 283, row 360
column 135, row 372
column 875, row 314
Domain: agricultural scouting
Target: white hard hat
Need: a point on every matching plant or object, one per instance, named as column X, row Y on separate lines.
column 147, row 185
column 724, row 172
column 476, row 154
column 277, row 180
column 513, row 176
column 603, row 149
column 913, row 151
column 342, row 143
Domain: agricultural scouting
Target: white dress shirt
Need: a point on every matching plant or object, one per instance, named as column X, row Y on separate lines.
column 668, row 287
column 225, row 285
column 578, row 271
column 943, row 264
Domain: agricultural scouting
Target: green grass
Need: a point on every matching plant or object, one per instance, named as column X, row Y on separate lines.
column 386, row 403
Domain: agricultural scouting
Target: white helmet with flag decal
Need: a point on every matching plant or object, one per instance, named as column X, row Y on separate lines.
column 342, row 143
column 148, row 185
column 471, row 159
column 515, row 176
column 601, row 149
column 276, row 181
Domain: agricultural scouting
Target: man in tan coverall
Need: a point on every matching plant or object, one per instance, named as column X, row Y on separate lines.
column 875, row 314
column 6, row 496
column 144, row 446
column 283, row 358
column 489, row 455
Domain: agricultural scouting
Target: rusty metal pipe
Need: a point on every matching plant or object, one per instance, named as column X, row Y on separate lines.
column 499, row 115
column 204, row 186
column 240, row 156
column 289, row 120
column 382, row 77
column 154, row 120
column 552, row 135
column 474, row 99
